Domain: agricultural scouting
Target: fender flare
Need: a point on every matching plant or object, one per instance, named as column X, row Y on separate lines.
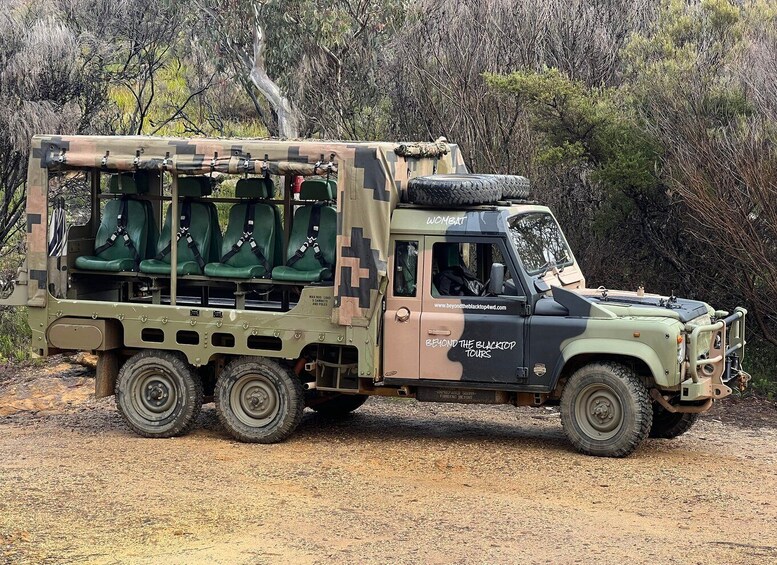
column 621, row 348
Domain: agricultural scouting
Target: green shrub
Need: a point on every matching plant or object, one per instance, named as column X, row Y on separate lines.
column 760, row 362
column 14, row 335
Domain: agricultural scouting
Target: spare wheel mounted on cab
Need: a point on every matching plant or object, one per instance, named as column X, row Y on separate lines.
column 196, row 275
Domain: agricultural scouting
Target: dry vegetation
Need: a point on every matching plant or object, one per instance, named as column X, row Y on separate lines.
column 649, row 127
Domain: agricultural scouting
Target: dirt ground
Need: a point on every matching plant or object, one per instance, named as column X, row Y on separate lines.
column 397, row 482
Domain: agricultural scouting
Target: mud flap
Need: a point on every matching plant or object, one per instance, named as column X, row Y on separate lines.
column 106, row 373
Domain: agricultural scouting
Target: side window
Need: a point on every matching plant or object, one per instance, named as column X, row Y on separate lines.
column 463, row 269
column 405, row 268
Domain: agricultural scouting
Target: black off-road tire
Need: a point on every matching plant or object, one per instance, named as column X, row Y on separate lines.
column 513, row 186
column 259, row 400
column 339, row 405
column 158, row 394
column 606, row 410
column 669, row 425
column 454, row 190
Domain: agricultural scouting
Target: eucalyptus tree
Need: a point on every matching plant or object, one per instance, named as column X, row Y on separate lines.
column 310, row 67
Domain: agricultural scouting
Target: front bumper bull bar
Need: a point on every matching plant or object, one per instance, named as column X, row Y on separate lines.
column 711, row 375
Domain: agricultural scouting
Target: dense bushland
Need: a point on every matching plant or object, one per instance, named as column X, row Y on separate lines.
column 650, row 128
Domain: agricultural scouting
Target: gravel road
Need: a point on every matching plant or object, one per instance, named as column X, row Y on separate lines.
column 397, row 482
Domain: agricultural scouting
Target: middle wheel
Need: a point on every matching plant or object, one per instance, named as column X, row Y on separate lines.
column 258, row 400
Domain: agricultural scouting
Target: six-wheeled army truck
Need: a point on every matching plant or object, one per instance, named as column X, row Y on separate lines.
column 195, row 275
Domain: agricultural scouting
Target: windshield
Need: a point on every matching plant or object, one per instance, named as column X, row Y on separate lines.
column 538, row 241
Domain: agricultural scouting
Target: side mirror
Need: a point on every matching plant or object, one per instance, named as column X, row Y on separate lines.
column 496, row 282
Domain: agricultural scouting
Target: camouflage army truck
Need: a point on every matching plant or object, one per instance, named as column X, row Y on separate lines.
column 194, row 275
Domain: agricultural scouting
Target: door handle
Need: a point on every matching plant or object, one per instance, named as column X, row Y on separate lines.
column 403, row 314
column 439, row 332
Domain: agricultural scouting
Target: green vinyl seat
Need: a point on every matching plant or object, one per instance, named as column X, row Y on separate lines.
column 199, row 236
column 311, row 252
column 248, row 250
column 127, row 233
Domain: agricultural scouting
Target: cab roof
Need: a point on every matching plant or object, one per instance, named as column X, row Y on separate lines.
column 472, row 220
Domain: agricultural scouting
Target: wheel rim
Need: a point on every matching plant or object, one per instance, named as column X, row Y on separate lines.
column 598, row 412
column 155, row 394
column 254, row 400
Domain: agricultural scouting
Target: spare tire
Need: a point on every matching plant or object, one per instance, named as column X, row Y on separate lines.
column 513, row 186
column 454, row 190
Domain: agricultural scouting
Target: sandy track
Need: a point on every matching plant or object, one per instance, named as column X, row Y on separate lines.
column 397, row 482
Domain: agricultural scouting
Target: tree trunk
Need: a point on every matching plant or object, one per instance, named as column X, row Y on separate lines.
column 287, row 115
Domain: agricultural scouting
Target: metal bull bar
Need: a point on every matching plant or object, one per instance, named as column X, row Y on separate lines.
column 713, row 371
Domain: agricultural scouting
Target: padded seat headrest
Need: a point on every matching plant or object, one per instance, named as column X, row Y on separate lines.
column 127, row 183
column 194, row 186
column 318, row 189
column 447, row 255
column 255, row 188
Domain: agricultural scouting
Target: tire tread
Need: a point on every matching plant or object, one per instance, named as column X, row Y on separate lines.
column 668, row 425
column 295, row 408
column 193, row 400
column 643, row 404
column 454, row 190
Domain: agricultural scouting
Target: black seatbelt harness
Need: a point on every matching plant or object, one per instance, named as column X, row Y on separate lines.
column 314, row 226
column 183, row 232
column 248, row 237
column 121, row 232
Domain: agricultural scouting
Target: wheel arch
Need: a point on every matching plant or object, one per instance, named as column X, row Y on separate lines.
column 641, row 357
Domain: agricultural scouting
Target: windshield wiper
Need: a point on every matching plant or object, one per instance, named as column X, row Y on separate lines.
column 554, row 264
column 562, row 262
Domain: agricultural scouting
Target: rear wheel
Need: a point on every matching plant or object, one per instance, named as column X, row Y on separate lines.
column 258, row 400
column 669, row 425
column 606, row 410
column 158, row 394
column 338, row 405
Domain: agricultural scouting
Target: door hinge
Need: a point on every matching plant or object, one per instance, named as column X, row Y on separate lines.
column 522, row 375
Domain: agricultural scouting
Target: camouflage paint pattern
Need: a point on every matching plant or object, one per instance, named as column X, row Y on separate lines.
column 370, row 178
column 491, row 339
column 472, row 340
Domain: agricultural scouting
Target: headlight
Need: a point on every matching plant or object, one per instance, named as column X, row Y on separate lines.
column 681, row 349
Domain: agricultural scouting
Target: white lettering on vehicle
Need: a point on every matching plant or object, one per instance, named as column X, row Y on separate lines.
column 445, row 220
column 471, row 347
column 461, row 306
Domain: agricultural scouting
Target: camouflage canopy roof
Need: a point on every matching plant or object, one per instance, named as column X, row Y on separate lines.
column 370, row 178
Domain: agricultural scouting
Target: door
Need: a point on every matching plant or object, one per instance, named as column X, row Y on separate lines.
column 466, row 337
column 402, row 319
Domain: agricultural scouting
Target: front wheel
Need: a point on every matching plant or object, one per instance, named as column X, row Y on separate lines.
column 606, row 410
column 258, row 400
column 669, row 425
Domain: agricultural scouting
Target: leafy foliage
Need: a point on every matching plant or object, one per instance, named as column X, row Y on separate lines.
column 15, row 335
column 649, row 127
